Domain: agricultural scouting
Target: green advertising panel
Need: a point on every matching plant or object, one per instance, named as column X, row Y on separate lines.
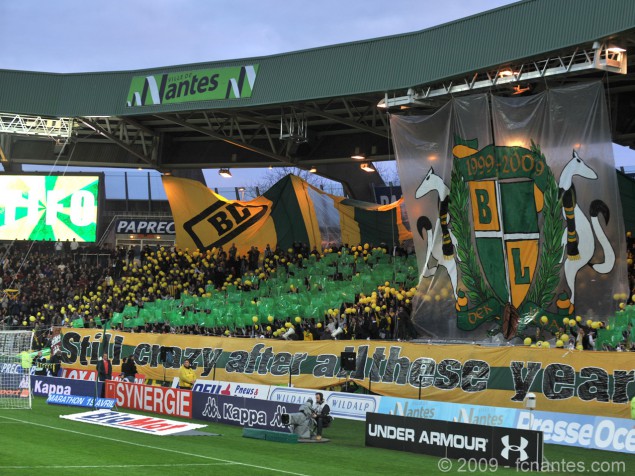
column 187, row 86
column 48, row 208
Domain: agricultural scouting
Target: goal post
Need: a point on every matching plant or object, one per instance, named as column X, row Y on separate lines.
column 15, row 369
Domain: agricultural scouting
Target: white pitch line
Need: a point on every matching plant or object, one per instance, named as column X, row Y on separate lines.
column 155, row 447
column 118, row 466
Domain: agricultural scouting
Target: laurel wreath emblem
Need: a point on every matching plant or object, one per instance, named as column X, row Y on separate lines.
column 547, row 277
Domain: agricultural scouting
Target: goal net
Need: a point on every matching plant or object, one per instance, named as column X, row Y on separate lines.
column 15, row 369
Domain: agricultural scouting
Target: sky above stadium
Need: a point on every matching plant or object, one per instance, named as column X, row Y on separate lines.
column 74, row 36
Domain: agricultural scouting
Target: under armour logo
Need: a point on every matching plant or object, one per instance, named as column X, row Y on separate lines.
column 520, row 448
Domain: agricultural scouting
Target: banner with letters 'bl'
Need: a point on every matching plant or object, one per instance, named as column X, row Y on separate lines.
column 515, row 210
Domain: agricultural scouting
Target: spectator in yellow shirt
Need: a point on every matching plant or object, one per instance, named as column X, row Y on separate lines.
column 187, row 376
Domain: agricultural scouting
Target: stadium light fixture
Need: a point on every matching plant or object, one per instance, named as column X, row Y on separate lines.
column 225, row 173
column 602, row 56
column 358, row 155
column 366, row 167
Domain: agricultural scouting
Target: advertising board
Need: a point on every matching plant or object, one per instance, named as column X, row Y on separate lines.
column 149, row 398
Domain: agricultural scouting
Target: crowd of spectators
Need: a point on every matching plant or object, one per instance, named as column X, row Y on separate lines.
column 48, row 284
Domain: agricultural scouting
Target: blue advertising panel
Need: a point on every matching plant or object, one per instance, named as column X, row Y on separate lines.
column 584, row 431
column 80, row 401
column 42, row 386
column 241, row 411
column 456, row 412
column 568, row 429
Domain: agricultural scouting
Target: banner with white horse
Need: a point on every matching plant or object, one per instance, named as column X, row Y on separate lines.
column 516, row 214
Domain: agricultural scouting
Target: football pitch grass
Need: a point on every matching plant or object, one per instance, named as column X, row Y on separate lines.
column 39, row 442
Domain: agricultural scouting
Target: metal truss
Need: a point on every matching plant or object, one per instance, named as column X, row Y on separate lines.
column 277, row 134
column 273, row 133
column 60, row 127
column 127, row 133
column 231, row 129
column 601, row 57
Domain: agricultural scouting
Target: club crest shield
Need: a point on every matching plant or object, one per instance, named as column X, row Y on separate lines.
column 498, row 196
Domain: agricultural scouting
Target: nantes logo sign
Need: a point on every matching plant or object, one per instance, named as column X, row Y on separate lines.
column 189, row 86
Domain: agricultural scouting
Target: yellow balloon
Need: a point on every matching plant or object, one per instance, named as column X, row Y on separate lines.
column 559, row 343
column 544, row 319
column 319, row 325
column 270, row 318
column 254, row 318
column 527, row 341
column 298, row 319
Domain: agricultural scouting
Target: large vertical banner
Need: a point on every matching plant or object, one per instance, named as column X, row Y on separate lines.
column 515, row 212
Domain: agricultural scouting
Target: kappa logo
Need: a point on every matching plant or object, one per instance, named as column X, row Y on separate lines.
column 517, row 448
column 277, row 417
column 211, row 409
column 222, row 222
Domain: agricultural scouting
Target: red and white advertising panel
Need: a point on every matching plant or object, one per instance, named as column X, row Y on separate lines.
column 92, row 375
column 149, row 398
column 128, row 421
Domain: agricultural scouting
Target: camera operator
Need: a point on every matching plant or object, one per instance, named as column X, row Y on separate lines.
column 301, row 421
column 321, row 414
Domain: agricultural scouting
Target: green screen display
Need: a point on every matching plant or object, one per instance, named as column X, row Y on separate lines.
column 48, row 208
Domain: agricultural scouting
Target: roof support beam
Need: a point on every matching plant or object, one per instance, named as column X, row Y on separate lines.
column 229, row 140
column 100, row 130
column 347, row 122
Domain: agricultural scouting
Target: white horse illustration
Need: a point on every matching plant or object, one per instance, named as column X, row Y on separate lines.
column 444, row 254
column 578, row 238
